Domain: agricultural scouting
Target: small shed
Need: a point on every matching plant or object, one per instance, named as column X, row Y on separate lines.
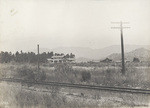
column 107, row 60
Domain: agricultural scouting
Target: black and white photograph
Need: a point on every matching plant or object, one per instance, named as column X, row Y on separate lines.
column 74, row 53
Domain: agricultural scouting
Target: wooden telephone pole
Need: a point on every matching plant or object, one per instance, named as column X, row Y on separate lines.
column 122, row 44
column 38, row 57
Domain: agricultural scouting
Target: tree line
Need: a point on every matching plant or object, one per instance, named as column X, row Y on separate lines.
column 30, row 57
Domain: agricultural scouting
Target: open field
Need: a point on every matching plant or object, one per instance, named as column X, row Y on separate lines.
column 136, row 77
column 18, row 95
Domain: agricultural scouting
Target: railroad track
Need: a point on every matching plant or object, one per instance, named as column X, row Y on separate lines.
column 106, row 88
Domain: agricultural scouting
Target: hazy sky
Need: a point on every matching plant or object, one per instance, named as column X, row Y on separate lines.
column 71, row 23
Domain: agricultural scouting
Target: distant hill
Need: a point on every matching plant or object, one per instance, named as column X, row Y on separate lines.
column 93, row 54
column 141, row 53
column 82, row 59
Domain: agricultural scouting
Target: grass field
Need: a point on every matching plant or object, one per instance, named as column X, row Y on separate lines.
column 135, row 76
column 18, row 96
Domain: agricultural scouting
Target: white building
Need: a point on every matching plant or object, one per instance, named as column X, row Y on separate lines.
column 60, row 59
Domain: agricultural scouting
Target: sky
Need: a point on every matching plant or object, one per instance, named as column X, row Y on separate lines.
column 72, row 23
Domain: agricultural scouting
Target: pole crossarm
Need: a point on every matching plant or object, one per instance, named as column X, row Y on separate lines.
column 120, row 22
column 120, row 27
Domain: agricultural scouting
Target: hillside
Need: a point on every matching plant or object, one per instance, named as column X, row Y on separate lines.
column 141, row 53
column 94, row 54
column 82, row 59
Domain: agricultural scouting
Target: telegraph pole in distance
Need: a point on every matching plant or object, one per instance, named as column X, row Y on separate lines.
column 122, row 44
column 38, row 57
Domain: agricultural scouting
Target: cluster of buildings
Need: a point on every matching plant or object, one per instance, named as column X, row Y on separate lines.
column 64, row 59
column 107, row 60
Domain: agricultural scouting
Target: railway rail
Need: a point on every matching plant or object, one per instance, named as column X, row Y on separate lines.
column 94, row 87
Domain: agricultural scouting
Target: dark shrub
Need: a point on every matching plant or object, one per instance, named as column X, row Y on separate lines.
column 25, row 74
column 63, row 68
column 40, row 76
column 30, row 74
column 64, row 73
column 86, row 76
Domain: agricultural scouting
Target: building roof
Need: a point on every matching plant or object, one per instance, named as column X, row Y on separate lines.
column 106, row 60
column 56, row 57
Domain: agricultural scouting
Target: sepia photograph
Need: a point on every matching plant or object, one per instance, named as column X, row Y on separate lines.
column 74, row 53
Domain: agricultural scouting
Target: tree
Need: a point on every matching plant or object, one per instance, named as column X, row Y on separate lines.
column 17, row 56
column 72, row 55
column 29, row 57
column 67, row 56
column 5, row 57
column 49, row 54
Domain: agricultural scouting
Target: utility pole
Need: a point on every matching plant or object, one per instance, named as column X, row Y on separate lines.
column 122, row 44
column 38, row 57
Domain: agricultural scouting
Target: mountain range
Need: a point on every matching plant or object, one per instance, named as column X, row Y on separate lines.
column 85, row 53
column 141, row 53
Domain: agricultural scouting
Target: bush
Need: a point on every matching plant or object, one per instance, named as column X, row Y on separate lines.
column 63, row 68
column 30, row 74
column 40, row 76
column 25, row 73
column 64, row 73
column 86, row 76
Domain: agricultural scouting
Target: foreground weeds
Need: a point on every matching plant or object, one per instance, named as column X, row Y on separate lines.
column 16, row 95
column 134, row 77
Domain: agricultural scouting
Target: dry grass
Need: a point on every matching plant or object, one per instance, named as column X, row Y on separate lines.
column 134, row 77
column 15, row 95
